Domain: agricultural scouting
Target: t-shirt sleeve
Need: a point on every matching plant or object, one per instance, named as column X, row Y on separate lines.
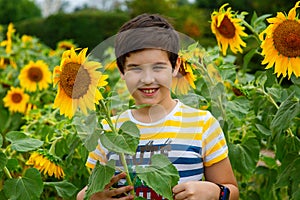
column 99, row 154
column 213, row 142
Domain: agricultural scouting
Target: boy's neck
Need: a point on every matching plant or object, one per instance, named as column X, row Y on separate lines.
column 150, row 114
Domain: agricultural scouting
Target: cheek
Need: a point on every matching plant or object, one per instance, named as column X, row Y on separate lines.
column 165, row 80
column 131, row 81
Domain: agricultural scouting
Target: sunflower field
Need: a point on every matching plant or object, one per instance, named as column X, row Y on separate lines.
column 53, row 99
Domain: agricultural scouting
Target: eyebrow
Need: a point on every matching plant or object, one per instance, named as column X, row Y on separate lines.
column 135, row 65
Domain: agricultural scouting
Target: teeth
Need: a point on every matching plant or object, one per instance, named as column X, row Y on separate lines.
column 149, row 91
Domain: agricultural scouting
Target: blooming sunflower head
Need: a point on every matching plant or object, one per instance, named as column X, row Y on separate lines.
column 35, row 75
column 185, row 78
column 66, row 45
column 281, row 43
column 77, row 80
column 47, row 163
column 228, row 30
column 16, row 100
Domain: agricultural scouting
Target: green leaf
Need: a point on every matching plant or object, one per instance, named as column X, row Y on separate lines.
column 64, row 188
column 285, row 114
column 244, row 156
column 21, row 142
column 266, row 132
column 2, row 195
column 29, row 187
column 139, row 198
column 3, row 160
column 161, row 175
column 239, row 107
column 87, row 129
column 1, row 140
column 100, row 177
column 125, row 141
column 4, row 118
column 289, row 174
column 248, row 57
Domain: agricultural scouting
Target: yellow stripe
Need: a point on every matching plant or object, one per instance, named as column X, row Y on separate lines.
column 213, row 135
column 208, row 124
column 194, row 136
column 215, row 160
column 190, row 114
column 217, row 147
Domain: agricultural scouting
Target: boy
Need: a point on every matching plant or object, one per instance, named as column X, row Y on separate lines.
column 147, row 57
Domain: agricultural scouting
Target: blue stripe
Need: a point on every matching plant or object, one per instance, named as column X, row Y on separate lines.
column 185, row 160
column 192, row 172
column 174, row 160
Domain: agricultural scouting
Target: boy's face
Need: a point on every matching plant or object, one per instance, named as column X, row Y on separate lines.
column 148, row 75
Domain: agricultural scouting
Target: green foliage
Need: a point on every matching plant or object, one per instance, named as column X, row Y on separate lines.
column 87, row 29
column 21, row 142
column 18, row 10
column 127, row 139
column 100, row 177
column 64, row 189
column 28, row 187
column 160, row 175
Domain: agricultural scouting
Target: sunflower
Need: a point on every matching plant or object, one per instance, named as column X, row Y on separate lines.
column 8, row 42
column 77, row 81
column 228, row 30
column 185, row 77
column 66, row 45
column 35, row 75
column 7, row 61
column 111, row 65
column 281, row 43
column 26, row 38
column 47, row 163
column 16, row 100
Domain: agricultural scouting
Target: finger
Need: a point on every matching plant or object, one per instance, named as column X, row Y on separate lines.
column 180, row 196
column 130, row 197
column 121, row 190
column 178, row 188
column 115, row 179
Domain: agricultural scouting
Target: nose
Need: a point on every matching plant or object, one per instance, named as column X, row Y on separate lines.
column 147, row 77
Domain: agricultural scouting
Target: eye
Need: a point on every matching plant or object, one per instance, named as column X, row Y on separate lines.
column 159, row 67
column 134, row 68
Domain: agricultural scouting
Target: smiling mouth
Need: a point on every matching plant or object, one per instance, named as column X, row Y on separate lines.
column 149, row 91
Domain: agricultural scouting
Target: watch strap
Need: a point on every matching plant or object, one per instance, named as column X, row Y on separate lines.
column 224, row 192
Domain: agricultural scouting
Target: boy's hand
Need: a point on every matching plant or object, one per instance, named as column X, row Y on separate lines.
column 109, row 194
column 196, row 190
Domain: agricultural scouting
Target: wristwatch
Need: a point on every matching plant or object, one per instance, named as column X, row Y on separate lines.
column 224, row 192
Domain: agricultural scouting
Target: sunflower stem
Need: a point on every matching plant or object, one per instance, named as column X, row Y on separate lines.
column 269, row 97
column 6, row 171
column 122, row 155
column 252, row 30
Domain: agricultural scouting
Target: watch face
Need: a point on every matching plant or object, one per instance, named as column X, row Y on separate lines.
column 226, row 193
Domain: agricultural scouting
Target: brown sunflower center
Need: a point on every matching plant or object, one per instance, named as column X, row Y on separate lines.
column 35, row 74
column 182, row 71
column 75, row 80
column 16, row 97
column 286, row 38
column 226, row 28
column 6, row 61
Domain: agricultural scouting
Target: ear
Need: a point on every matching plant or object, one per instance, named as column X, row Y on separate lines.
column 177, row 66
column 122, row 75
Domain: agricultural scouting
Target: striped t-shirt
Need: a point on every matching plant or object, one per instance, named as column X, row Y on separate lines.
column 190, row 138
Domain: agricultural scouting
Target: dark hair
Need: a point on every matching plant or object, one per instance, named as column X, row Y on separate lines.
column 146, row 31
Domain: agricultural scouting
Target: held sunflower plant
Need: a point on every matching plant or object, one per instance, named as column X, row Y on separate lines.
column 80, row 83
column 259, row 106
